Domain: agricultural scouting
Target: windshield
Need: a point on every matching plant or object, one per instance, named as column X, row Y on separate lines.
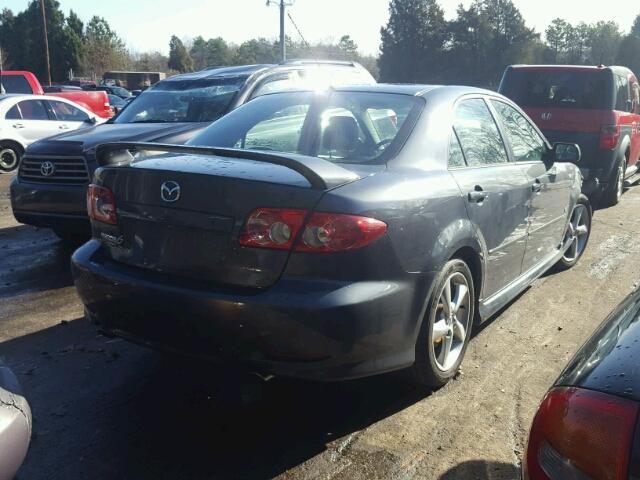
column 585, row 89
column 123, row 92
column 341, row 127
column 183, row 101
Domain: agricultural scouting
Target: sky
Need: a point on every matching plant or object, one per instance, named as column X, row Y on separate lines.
column 148, row 24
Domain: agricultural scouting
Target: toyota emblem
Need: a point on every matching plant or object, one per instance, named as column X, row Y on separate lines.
column 47, row 168
column 170, row 191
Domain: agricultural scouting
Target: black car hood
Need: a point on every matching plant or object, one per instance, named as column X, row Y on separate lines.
column 79, row 141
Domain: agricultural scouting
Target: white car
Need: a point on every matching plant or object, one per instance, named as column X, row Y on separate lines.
column 25, row 119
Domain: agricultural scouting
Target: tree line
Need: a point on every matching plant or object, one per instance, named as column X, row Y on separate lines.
column 418, row 44
column 199, row 53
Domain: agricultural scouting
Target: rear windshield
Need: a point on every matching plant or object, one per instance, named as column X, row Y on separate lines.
column 336, row 126
column 15, row 84
column 183, row 101
column 590, row 90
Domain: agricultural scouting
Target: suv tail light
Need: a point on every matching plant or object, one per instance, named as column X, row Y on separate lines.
column 609, row 136
column 580, row 434
column 321, row 233
column 101, row 204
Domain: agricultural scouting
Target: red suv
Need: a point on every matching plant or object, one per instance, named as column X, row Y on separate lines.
column 595, row 107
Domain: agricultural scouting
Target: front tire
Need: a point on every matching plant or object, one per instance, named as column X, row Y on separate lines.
column 576, row 235
column 10, row 155
column 446, row 327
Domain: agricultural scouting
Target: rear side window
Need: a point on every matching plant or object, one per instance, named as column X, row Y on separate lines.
column 13, row 113
column 280, row 132
column 526, row 143
column 15, row 84
column 456, row 157
column 68, row 113
column 559, row 88
column 33, row 110
column 478, row 133
column 623, row 103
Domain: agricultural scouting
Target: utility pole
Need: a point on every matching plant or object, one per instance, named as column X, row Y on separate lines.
column 46, row 42
column 283, row 6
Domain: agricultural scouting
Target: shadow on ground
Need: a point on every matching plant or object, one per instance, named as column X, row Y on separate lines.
column 137, row 414
column 482, row 470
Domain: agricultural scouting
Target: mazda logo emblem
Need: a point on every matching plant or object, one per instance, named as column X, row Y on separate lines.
column 47, row 169
column 170, row 191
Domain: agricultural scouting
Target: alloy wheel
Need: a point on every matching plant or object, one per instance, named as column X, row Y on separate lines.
column 576, row 236
column 8, row 159
column 452, row 317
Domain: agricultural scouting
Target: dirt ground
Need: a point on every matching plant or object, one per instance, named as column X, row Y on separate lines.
column 105, row 409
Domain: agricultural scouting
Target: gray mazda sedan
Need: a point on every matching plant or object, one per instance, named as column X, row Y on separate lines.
column 331, row 234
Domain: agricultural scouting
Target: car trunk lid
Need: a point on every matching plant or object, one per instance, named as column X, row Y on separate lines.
column 181, row 209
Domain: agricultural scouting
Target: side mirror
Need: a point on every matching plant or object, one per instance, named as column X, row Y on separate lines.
column 91, row 120
column 566, row 152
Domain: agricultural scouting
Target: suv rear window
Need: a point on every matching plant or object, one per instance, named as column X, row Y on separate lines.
column 15, row 84
column 590, row 90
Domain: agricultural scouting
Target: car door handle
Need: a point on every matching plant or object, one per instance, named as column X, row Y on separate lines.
column 18, row 125
column 537, row 186
column 63, row 127
column 477, row 195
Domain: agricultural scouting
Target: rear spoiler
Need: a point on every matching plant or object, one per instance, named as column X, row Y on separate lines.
column 321, row 174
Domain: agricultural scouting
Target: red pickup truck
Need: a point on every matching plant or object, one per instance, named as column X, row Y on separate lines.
column 26, row 82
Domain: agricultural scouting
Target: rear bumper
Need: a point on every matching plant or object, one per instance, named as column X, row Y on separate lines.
column 313, row 329
column 62, row 207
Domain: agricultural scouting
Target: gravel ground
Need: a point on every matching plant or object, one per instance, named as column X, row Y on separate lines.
column 105, row 409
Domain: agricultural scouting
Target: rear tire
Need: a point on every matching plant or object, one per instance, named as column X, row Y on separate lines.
column 613, row 193
column 577, row 234
column 445, row 331
column 10, row 155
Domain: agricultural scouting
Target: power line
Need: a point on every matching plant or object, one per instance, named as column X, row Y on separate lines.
column 304, row 40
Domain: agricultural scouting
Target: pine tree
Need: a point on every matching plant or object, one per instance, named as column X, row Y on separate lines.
column 179, row 58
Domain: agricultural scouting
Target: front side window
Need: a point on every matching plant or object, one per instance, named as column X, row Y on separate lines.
column 350, row 127
column 526, row 143
column 478, row 134
column 277, row 83
column 33, row 110
column 68, row 113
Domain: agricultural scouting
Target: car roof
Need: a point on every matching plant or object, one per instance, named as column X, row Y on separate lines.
column 24, row 96
column 417, row 90
column 221, row 72
column 615, row 68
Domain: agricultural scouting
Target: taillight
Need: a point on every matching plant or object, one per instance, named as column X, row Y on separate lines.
column 101, row 204
column 580, row 434
column 322, row 233
column 272, row 228
column 609, row 136
column 330, row 232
